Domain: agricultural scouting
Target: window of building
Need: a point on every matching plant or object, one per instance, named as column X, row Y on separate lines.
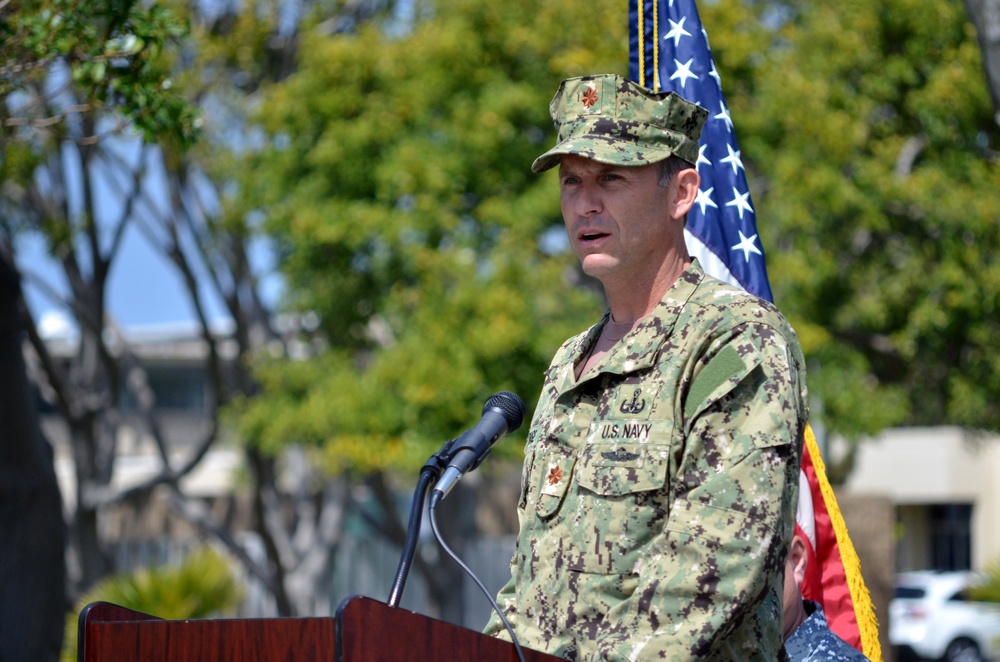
column 950, row 536
column 177, row 388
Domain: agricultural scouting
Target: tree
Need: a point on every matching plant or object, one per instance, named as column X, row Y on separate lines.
column 985, row 15
column 59, row 64
column 869, row 137
column 106, row 130
column 234, row 56
column 394, row 175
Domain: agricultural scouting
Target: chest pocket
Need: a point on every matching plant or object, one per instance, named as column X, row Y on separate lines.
column 620, row 493
column 625, row 456
column 620, row 468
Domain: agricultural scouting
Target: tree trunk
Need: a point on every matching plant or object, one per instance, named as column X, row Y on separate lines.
column 985, row 15
column 32, row 529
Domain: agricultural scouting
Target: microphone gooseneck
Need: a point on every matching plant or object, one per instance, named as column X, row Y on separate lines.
column 502, row 413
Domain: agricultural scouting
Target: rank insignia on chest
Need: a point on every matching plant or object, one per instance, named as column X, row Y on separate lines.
column 555, row 475
column 555, row 479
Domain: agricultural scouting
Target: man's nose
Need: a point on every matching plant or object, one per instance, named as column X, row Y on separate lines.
column 588, row 200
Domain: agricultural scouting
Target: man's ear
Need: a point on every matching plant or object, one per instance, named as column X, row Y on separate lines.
column 684, row 187
column 798, row 559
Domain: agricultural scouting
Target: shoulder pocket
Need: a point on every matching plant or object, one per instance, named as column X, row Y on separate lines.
column 719, row 376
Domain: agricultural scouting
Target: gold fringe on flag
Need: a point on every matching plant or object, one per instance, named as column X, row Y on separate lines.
column 641, row 29
column 864, row 610
column 656, row 48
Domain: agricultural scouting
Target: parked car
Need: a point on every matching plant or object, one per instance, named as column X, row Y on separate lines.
column 932, row 618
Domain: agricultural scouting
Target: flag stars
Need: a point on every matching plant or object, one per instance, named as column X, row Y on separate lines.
column 741, row 202
column 747, row 245
column 684, row 72
column 714, row 73
column 724, row 116
column 701, row 156
column 704, row 199
column 716, row 214
column 733, row 159
column 677, row 31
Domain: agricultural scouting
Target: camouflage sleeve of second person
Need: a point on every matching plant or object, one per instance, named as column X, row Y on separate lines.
column 710, row 587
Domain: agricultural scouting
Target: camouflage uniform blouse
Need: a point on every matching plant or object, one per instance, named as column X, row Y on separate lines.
column 814, row 641
column 658, row 492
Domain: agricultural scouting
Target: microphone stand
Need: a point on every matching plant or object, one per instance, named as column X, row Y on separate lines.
column 430, row 473
column 435, row 500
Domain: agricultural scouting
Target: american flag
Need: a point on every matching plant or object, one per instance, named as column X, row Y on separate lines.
column 722, row 227
column 668, row 50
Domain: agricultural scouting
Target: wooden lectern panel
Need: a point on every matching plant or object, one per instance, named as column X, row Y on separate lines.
column 109, row 633
column 372, row 631
column 364, row 630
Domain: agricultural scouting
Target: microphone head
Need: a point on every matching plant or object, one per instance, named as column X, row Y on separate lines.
column 511, row 407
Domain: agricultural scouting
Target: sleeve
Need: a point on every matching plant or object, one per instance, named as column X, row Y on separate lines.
column 506, row 598
column 508, row 604
column 716, row 568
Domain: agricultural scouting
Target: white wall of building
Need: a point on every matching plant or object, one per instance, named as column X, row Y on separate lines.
column 921, row 466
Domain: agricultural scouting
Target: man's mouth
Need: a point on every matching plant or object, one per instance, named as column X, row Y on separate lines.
column 592, row 235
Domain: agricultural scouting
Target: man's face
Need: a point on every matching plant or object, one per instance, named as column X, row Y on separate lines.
column 791, row 598
column 795, row 573
column 617, row 217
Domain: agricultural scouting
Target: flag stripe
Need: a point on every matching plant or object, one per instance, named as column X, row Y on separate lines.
column 709, row 261
column 843, row 585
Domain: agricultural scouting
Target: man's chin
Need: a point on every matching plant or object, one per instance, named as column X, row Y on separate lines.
column 598, row 266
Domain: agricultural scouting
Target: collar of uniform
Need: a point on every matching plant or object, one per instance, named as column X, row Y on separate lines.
column 642, row 343
column 560, row 372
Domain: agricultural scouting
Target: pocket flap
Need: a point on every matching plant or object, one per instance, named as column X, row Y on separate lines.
column 616, row 469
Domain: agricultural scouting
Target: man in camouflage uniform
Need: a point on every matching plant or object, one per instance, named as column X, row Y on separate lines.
column 660, row 479
column 808, row 637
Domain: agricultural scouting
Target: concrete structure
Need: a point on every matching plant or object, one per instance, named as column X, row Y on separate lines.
column 945, row 483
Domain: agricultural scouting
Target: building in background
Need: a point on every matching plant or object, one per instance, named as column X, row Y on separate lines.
column 945, row 484
column 173, row 357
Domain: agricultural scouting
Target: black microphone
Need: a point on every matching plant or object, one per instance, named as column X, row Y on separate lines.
column 502, row 413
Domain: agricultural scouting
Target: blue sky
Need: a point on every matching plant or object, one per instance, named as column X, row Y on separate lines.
column 143, row 290
column 144, row 287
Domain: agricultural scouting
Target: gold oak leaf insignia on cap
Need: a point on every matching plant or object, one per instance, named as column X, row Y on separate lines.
column 555, row 475
column 589, row 97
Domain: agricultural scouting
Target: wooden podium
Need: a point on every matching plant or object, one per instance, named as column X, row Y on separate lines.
column 363, row 630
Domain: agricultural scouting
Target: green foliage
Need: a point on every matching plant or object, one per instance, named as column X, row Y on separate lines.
column 988, row 589
column 396, row 178
column 394, row 175
column 203, row 585
column 868, row 133
column 115, row 54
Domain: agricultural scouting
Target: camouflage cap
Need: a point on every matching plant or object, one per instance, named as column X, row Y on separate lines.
column 610, row 119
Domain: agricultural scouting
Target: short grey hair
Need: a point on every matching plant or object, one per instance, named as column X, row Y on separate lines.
column 669, row 167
